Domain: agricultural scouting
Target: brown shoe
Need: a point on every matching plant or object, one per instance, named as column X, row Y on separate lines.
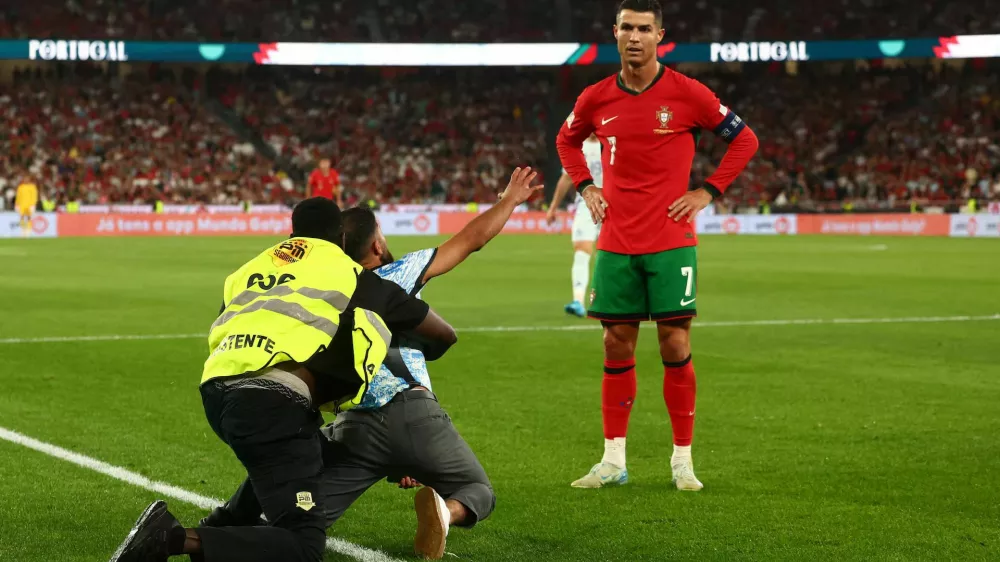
column 433, row 519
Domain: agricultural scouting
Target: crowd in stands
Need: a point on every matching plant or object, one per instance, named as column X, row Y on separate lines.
column 832, row 134
column 89, row 137
column 489, row 20
column 877, row 139
column 443, row 135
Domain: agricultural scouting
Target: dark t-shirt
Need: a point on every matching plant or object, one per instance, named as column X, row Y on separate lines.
column 334, row 366
column 390, row 301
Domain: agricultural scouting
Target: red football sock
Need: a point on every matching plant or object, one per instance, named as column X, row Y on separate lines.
column 678, row 394
column 617, row 396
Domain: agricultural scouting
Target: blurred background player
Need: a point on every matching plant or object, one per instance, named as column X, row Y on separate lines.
column 25, row 201
column 646, row 117
column 324, row 181
column 585, row 230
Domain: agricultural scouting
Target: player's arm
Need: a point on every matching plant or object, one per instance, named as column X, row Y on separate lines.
column 484, row 227
column 729, row 127
column 562, row 188
column 569, row 143
column 339, row 187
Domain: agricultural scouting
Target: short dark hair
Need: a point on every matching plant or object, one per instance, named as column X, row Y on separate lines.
column 643, row 6
column 359, row 229
column 317, row 217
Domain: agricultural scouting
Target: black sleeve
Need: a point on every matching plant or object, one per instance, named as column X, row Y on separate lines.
column 399, row 310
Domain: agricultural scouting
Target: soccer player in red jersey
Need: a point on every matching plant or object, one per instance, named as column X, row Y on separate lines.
column 647, row 118
column 325, row 182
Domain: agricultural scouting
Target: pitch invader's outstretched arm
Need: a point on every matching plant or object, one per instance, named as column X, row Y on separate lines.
column 483, row 228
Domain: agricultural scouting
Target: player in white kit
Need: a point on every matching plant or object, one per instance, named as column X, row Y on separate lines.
column 584, row 230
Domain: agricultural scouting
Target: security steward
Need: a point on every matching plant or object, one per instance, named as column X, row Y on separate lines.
column 303, row 329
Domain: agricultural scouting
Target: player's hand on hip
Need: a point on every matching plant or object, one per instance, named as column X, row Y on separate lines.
column 689, row 205
column 593, row 196
column 520, row 189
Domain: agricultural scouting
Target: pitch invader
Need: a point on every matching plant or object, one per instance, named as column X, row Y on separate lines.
column 585, row 230
column 646, row 118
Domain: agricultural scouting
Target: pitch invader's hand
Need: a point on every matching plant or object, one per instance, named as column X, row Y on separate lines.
column 689, row 205
column 520, row 189
column 406, row 483
column 593, row 196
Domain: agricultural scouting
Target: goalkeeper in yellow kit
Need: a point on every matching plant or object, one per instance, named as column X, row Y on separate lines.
column 26, row 200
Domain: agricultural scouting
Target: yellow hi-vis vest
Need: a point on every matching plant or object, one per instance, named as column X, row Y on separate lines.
column 286, row 305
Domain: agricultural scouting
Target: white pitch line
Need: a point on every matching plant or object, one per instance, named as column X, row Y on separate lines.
column 567, row 328
column 750, row 323
column 339, row 546
column 105, row 337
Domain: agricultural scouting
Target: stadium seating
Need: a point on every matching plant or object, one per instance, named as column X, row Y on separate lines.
column 109, row 140
column 872, row 138
column 490, row 20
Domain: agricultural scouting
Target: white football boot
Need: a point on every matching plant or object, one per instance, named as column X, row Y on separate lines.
column 603, row 474
column 683, row 474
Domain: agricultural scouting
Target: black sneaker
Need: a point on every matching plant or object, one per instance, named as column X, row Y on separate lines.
column 148, row 540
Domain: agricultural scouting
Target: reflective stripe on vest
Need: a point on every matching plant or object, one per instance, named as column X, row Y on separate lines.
column 335, row 299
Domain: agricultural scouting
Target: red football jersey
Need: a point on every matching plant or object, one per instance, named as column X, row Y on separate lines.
column 648, row 141
column 324, row 185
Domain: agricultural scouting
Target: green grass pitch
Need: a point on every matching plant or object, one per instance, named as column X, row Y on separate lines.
column 823, row 441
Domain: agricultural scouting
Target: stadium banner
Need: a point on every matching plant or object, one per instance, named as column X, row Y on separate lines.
column 531, row 222
column 876, row 224
column 490, row 54
column 408, row 223
column 151, row 224
column 180, row 209
column 43, row 225
column 981, row 225
column 747, row 224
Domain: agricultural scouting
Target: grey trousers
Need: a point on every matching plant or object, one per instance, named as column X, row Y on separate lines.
column 410, row 436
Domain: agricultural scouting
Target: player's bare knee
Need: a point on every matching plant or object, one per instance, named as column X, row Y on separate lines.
column 675, row 342
column 617, row 346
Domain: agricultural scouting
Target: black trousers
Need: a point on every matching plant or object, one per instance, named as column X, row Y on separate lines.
column 410, row 436
column 277, row 439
